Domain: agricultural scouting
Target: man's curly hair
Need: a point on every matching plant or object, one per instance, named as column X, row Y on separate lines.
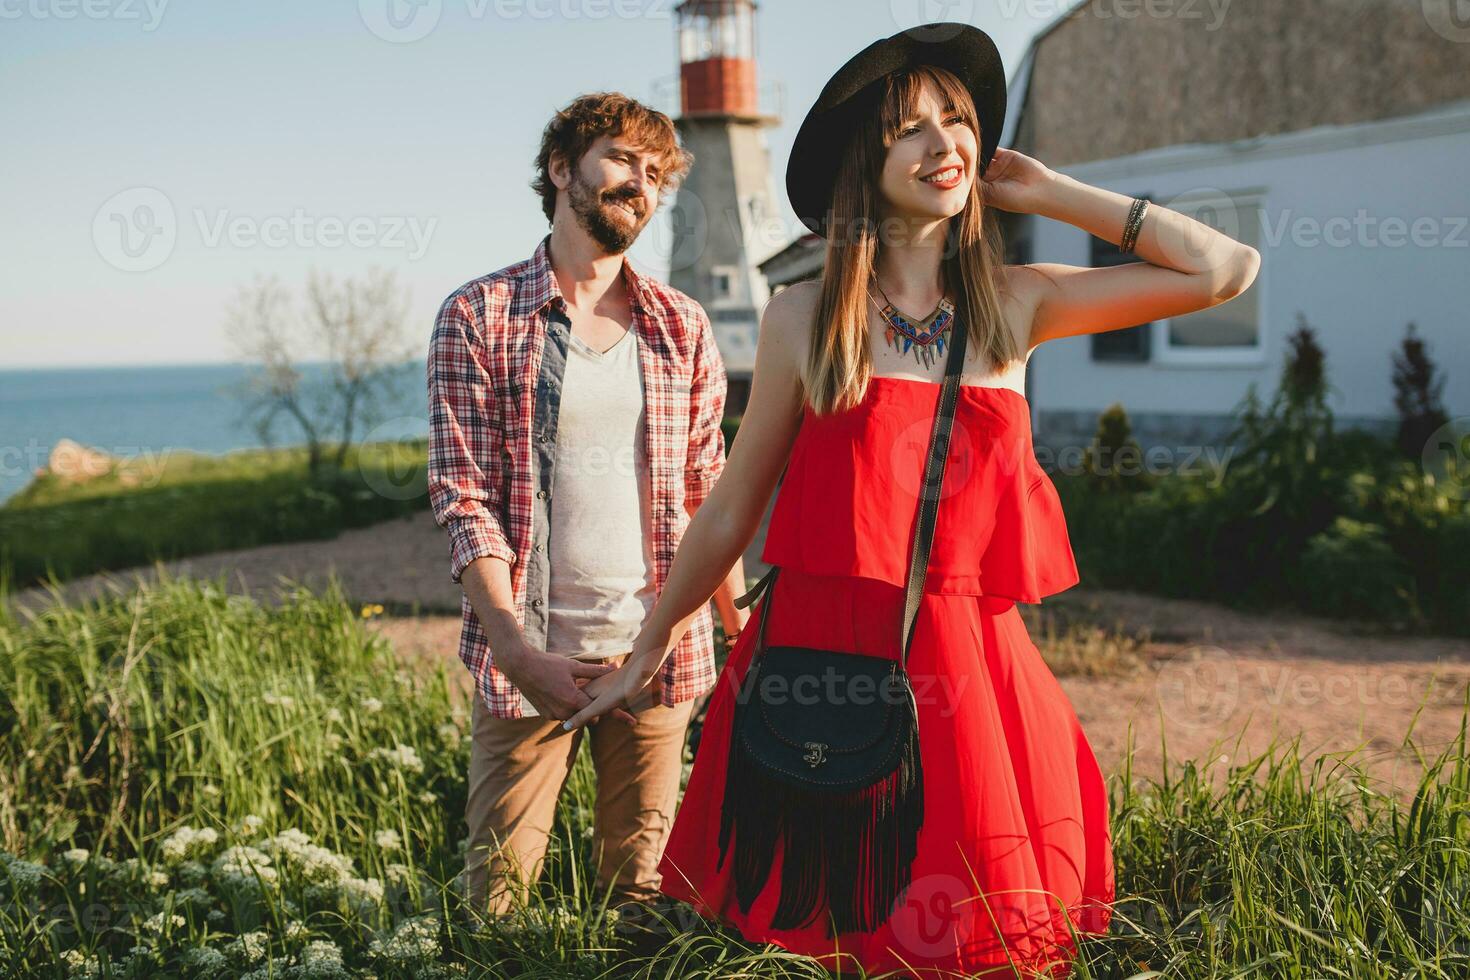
column 577, row 126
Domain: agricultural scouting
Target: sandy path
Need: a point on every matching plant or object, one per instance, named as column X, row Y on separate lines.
column 1209, row 672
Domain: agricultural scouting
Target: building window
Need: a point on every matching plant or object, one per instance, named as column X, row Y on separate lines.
column 1229, row 333
column 1129, row 343
column 721, row 282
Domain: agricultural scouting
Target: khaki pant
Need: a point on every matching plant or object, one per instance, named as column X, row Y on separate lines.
column 518, row 767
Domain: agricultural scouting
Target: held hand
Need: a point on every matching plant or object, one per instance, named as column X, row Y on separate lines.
column 616, row 691
column 650, row 695
column 1015, row 182
column 551, row 683
column 608, row 693
column 623, row 714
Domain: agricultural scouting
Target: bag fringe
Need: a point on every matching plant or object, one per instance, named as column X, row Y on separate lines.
column 855, row 849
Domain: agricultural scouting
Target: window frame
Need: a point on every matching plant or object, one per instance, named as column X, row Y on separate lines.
column 1167, row 354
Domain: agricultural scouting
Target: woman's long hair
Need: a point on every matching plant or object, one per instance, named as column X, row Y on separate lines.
column 839, row 363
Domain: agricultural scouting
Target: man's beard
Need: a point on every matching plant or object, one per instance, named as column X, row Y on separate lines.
column 592, row 209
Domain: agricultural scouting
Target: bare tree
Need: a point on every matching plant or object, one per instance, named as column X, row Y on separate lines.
column 328, row 363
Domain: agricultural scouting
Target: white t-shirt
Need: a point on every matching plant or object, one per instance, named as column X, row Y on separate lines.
column 601, row 551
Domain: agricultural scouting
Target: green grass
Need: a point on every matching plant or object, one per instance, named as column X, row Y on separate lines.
column 127, row 726
column 198, row 503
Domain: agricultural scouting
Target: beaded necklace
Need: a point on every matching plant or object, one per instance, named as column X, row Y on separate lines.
column 926, row 337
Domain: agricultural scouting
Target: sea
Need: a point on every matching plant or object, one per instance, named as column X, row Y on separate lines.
column 154, row 411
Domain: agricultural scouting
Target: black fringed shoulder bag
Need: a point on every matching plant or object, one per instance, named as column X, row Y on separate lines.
column 824, row 750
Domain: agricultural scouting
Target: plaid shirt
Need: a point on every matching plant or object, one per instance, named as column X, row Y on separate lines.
column 496, row 359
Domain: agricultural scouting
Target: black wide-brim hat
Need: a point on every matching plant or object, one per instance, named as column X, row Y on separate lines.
column 831, row 123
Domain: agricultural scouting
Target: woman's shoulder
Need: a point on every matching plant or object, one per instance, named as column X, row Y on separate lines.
column 1020, row 292
column 789, row 315
column 795, row 303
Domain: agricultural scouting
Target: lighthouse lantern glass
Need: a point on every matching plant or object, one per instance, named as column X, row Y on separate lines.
column 716, row 29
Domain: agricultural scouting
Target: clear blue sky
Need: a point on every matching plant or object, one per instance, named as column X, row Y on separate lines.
column 335, row 136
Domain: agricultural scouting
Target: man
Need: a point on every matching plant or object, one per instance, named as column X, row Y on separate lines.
column 575, row 410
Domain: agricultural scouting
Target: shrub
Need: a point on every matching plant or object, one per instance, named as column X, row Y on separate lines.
column 1276, row 493
column 1350, row 569
column 1417, row 390
column 1113, row 461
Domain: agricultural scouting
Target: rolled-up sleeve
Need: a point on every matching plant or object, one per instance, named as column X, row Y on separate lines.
column 707, row 408
column 464, row 440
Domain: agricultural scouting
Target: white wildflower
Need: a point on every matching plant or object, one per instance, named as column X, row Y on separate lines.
column 414, row 939
column 273, row 970
column 250, row 947
column 404, row 756
column 192, row 896
column 157, row 922
column 176, row 845
column 283, row 700
column 251, row 825
column 427, row 798
column 334, row 715
column 542, row 921
column 450, row 732
column 291, row 837
column 363, row 894
column 25, row 874
column 192, row 873
column 158, row 879
column 372, row 705
column 188, row 842
column 320, row 957
column 76, row 856
column 244, row 866
column 314, row 863
column 81, row 965
column 388, row 840
column 206, row 961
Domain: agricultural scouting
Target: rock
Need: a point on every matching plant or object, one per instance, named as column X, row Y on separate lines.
column 75, row 463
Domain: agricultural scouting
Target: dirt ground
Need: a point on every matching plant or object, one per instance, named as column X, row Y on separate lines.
column 1214, row 685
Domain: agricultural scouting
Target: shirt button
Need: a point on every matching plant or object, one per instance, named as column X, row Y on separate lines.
column 536, row 603
column 541, row 494
column 540, row 548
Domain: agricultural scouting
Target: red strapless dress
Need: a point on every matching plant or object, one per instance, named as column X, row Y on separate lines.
column 1015, row 845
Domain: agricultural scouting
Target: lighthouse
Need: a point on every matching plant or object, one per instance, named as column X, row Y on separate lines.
column 724, row 219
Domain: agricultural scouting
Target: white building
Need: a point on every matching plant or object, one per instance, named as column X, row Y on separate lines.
column 1331, row 135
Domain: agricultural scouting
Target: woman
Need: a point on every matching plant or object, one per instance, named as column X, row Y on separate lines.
column 897, row 166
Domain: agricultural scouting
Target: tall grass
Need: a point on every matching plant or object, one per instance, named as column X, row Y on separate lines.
column 195, row 784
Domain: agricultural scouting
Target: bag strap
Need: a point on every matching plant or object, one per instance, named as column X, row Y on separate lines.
column 934, row 466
